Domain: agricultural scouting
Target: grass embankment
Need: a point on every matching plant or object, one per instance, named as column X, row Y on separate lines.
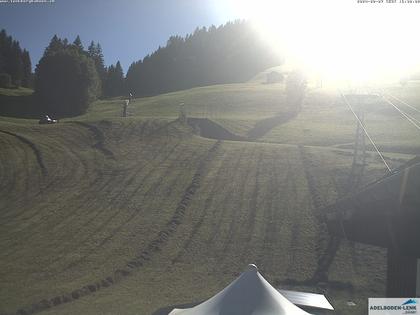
column 324, row 120
column 96, row 195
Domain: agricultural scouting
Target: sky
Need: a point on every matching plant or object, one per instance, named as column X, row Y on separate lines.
column 360, row 39
column 127, row 30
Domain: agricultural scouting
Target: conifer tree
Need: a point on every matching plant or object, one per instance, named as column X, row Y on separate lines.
column 78, row 44
column 95, row 52
column 66, row 80
column 55, row 45
column 13, row 61
column 16, row 64
column 27, row 69
column 114, row 85
column 226, row 54
column 119, row 79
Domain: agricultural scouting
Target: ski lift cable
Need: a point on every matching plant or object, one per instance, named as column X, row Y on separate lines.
column 417, row 122
column 402, row 102
column 366, row 133
column 411, row 119
column 402, row 111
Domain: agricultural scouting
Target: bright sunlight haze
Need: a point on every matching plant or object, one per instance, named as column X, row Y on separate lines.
column 340, row 40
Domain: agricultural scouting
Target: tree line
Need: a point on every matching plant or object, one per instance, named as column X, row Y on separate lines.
column 15, row 63
column 230, row 53
column 68, row 77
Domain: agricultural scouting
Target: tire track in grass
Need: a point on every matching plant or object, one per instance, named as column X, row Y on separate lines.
column 88, row 196
column 333, row 243
column 74, row 214
column 111, row 182
column 222, row 204
column 9, row 184
column 99, row 138
column 105, row 185
column 34, row 226
column 114, row 200
column 170, row 185
column 297, row 214
column 343, row 190
column 294, row 232
column 270, row 209
column 253, row 206
column 273, row 213
column 53, row 145
column 132, row 216
column 36, row 151
column 196, row 227
column 24, row 161
column 71, row 214
column 139, row 260
column 320, row 275
column 83, row 170
column 179, row 213
column 112, row 203
column 236, row 212
column 173, row 182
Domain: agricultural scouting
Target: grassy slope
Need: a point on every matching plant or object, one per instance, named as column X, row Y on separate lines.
column 324, row 120
column 79, row 200
column 16, row 92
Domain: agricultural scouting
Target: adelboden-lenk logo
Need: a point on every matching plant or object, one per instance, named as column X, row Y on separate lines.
column 393, row 306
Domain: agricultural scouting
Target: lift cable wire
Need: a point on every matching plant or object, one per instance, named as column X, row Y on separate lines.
column 411, row 119
column 402, row 102
column 366, row 133
column 409, row 115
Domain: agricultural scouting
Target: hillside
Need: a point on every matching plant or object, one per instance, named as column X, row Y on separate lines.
column 105, row 215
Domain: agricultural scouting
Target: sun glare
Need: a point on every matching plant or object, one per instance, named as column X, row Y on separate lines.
column 340, row 40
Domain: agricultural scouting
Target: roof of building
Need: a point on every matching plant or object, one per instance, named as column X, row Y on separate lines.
column 249, row 294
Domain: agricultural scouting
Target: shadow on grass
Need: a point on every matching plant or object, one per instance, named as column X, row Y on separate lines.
column 324, row 285
column 167, row 309
column 264, row 126
column 22, row 106
column 209, row 129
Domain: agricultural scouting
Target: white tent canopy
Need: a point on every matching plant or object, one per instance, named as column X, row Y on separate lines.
column 249, row 294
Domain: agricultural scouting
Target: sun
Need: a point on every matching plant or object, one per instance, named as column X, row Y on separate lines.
column 340, row 40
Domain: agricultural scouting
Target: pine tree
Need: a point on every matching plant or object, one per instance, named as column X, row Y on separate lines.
column 66, row 80
column 226, row 54
column 114, row 85
column 55, row 45
column 108, row 91
column 27, row 69
column 2, row 62
column 78, row 44
column 119, row 79
column 99, row 61
column 16, row 64
column 13, row 61
column 3, row 36
column 95, row 52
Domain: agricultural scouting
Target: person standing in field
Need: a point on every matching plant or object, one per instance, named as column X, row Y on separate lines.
column 125, row 107
column 126, row 102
